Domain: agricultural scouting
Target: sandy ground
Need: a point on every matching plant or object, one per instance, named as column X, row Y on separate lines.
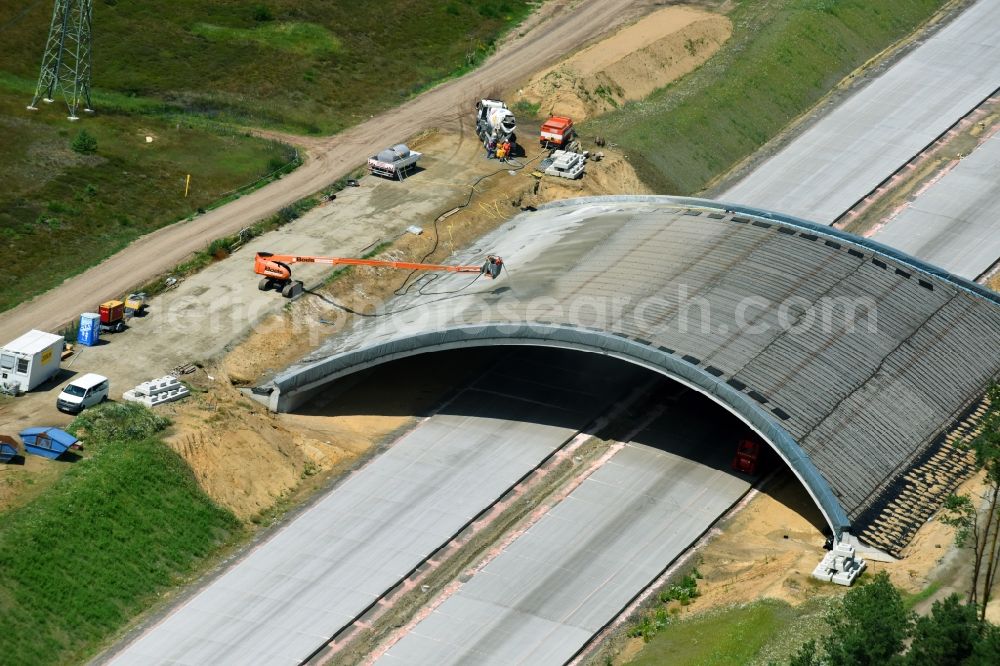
column 244, row 458
column 564, row 26
column 630, row 64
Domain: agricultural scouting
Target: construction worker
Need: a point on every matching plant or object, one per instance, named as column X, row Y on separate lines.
column 506, row 149
column 501, row 153
column 491, row 149
column 492, row 266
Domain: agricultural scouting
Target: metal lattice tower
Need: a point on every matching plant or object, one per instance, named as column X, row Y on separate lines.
column 67, row 61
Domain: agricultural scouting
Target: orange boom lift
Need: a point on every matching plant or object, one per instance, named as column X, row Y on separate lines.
column 277, row 272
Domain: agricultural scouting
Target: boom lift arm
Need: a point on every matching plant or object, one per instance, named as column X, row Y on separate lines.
column 276, row 270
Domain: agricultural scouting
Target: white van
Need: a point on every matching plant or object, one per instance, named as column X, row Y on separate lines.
column 81, row 393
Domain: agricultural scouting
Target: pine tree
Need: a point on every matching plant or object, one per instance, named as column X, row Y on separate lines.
column 84, row 143
column 870, row 626
column 946, row 637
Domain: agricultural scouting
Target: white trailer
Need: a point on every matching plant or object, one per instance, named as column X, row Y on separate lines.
column 394, row 162
column 29, row 361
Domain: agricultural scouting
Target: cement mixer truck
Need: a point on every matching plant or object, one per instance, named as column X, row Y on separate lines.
column 495, row 121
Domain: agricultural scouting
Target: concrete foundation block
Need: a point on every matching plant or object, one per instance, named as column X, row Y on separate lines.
column 841, row 565
column 157, row 391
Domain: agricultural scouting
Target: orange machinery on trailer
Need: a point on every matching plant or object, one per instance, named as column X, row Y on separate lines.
column 276, row 270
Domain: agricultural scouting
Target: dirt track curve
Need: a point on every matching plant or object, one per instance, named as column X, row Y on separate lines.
column 561, row 27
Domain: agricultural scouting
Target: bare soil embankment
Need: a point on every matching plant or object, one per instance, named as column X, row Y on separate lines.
column 630, row 64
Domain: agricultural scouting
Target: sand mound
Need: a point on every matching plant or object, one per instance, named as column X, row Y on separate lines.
column 629, row 65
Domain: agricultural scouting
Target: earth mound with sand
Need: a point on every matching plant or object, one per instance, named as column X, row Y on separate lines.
column 630, row 64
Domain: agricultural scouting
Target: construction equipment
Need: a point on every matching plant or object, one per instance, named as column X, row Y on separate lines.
column 277, row 272
column 747, row 454
column 134, row 305
column 112, row 316
column 495, row 122
column 394, row 162
column 557, row 132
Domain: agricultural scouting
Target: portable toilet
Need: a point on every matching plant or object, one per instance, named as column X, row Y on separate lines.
column 30, row 360
column 90, row 329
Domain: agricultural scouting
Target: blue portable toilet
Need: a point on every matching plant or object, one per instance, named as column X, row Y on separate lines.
column 90, row 329
column 47, row 442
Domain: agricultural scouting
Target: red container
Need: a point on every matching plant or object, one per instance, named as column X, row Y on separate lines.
column 557, row 130
column 112, row 311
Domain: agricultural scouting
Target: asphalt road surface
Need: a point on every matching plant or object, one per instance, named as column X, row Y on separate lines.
column 562, row 581
column 955, row 224
column 847, row 153
column 289, row 595
column 567, row 26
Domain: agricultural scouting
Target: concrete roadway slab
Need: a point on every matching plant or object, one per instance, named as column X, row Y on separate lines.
column 844, row 155
column 955, row 224
column 293, row 592
column 543, row 598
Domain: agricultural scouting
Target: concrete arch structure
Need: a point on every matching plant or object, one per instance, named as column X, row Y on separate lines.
column 847, row 357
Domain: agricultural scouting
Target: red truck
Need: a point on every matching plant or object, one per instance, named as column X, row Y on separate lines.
column 557, row 132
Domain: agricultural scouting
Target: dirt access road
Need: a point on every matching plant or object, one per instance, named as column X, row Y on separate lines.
column 559, row 27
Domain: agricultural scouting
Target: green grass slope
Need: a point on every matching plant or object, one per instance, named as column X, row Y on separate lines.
column 118, row 528
column 62, row 212
column 763, row 632
column 783, row 57
column 306, row 65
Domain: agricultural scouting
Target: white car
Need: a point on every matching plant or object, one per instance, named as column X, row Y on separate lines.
column 83, row 392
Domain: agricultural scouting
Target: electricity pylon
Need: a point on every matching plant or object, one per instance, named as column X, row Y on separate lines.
column 67, row 61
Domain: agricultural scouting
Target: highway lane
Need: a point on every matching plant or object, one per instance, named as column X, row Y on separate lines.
column 543, row 598
column 847, row 153
column 955, row 224
column 289, row 595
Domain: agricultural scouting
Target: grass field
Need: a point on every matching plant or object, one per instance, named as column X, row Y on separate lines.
column 756, row 633
column 189, row 73
column 305, row 65
column 62, row 212
column 784, row 55
column 118, row 528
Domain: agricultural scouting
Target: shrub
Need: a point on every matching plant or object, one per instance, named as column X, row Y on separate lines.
column 262, row 14
column 117, row 422
column 84, row 143
column 288, row 214
column 220, row 248
column 684, row 591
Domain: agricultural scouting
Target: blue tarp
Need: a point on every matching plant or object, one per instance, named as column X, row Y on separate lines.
column 47, row 442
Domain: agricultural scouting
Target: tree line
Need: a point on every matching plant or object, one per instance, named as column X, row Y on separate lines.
column 871, row 624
